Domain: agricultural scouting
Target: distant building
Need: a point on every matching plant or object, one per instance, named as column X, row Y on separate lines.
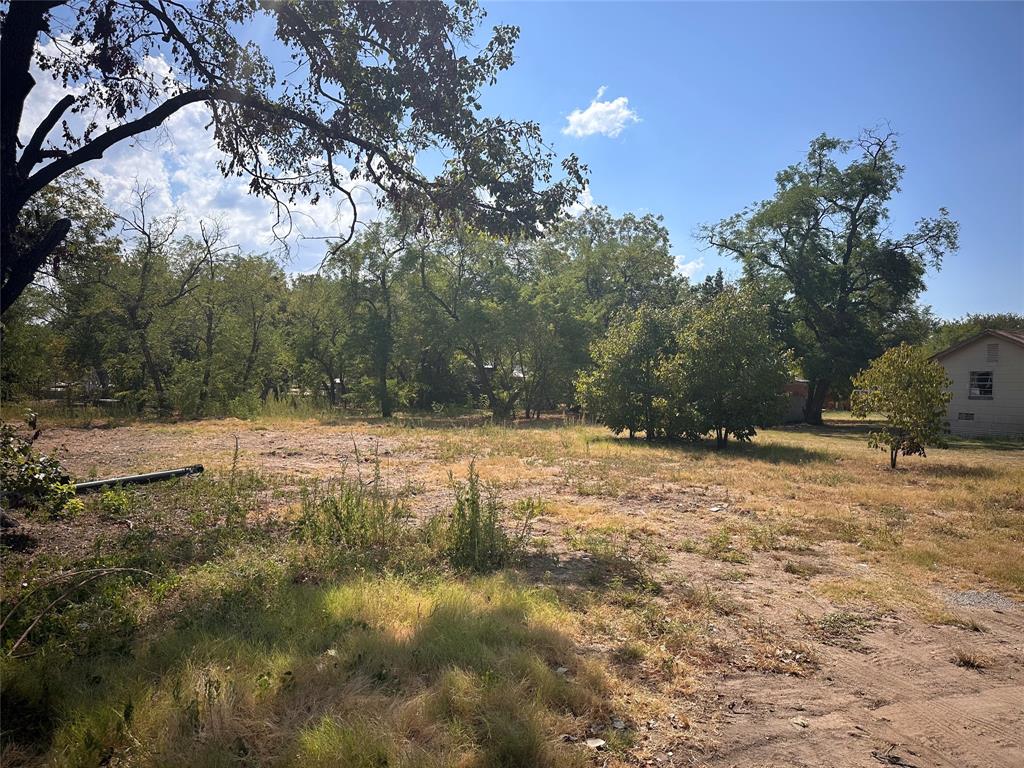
column 988, row 384
column 797, row 390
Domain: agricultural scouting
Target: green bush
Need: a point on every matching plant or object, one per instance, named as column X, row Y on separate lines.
column 30, row 479
column 476, row 538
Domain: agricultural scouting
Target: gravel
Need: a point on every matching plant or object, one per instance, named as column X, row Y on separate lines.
column 973, row 598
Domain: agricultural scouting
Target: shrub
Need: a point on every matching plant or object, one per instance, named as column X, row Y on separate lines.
column 476, row 539
column 33, row 480
column 624, row 389
column 359, row 518
column 729, row 374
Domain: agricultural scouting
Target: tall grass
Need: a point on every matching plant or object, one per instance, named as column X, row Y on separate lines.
column 476, row 537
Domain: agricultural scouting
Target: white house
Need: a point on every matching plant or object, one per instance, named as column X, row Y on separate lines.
column 988, row 384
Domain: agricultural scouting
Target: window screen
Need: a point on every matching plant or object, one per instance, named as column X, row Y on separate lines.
column 981, row 385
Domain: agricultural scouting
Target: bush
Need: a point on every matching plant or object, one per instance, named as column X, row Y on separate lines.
column 729, row 375
column 476, row 539
column 30, row 479
column 912, row 392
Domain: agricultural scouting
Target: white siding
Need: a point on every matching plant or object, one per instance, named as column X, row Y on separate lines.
column 1002, row 415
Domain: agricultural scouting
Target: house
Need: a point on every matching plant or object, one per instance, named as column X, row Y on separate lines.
column 988, row 384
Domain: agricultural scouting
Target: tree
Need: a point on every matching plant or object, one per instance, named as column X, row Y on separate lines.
column 912, row 392
column 318, row 332
column 139, row 288
column 351, row 92
column 823, row 243
column 624, row 389
column 729, row 373
column 371, row 266
column 951, row 332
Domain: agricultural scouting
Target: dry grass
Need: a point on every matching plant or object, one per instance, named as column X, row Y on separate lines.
column 631, row 598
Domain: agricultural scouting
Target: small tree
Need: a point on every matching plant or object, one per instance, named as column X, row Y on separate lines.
column 912, row 392
column 623, row 390
column 729, row 374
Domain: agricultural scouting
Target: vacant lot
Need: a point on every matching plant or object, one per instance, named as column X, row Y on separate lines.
column 790, row 602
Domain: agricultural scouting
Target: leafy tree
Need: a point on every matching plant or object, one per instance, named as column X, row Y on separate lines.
column 729, row 373
column 371, row 266
column 823, row 243
column 625, row 389
column 614, row 263
column 951, row 332
column 138, row 290
column 912, row 392
column 378, row 84
column 318, row 330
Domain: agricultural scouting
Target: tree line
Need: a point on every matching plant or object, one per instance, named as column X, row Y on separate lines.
column 593, row 314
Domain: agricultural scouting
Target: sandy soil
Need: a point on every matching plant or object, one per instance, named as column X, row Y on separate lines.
column 891, row 696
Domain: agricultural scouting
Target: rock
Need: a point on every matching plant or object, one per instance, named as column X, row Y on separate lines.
column 595, row 743
column 618, row 725
column 800, row 722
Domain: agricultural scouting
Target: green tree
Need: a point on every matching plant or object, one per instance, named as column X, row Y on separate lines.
column 950, row 332
column 371, row 266
column 380, row 84
column 318, row 330
column 625, row 389
column 138, row 290
column 912, row 392
column 729, row 373
column 823, row 243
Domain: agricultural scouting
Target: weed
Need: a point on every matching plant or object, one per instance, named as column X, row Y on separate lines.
column 477, row 540
column 720, row 546
column 117, row 503
column 843, row 629
column 619, row 556
column 969, row 659
column 763, row 538
column 363, row 520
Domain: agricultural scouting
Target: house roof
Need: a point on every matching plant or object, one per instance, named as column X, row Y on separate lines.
column 1014, row 337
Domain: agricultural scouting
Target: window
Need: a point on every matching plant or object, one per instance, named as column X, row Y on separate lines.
column 965, row 416
column 981, row 385
column 992, row 353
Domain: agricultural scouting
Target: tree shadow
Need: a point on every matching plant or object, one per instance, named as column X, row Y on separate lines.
column 366, row 671
column 766, row 452
column 955, row 471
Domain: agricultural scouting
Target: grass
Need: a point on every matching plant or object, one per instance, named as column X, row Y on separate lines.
column 293, row 607
column 239, row 640
column 969, row 659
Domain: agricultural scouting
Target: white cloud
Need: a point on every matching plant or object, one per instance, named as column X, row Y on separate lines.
column 585, row 202
column 178, row 163
column 608, row 118
column 689, row 269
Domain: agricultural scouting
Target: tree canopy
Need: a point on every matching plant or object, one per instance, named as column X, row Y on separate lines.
column 822, row 245
column 356, row 92
column 911, row 392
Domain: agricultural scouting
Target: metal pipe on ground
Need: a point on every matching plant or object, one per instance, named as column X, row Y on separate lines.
column 148, row 477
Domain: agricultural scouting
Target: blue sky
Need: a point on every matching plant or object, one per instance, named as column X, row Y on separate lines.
column 696, row 107
column 727, row 94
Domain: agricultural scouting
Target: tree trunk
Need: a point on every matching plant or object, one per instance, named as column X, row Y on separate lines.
column 153, row 371
column 383, row 398
column 817, row 391
column 204, row 389
column 892, row 458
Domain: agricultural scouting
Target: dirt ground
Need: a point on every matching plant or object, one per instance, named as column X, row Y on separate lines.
column 777, row 690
